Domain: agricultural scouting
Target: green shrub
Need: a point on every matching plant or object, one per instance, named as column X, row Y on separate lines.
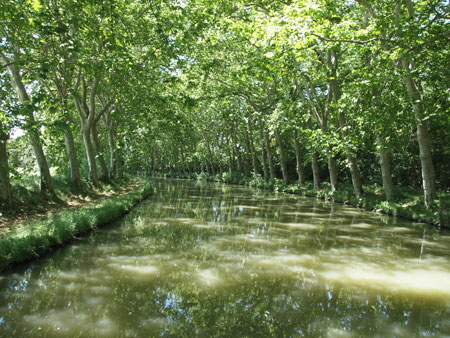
column 202, row 176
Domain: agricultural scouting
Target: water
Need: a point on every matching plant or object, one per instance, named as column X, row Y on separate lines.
column 211, row 260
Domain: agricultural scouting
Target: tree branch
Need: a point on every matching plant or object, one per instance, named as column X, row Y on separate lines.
column 359, row 42
column 92, row 95
column 261, row 7
column 103, row 111
column 5, row 61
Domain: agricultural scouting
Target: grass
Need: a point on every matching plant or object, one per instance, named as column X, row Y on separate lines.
column 407, row 202
column 28, row 200
column 34, row 238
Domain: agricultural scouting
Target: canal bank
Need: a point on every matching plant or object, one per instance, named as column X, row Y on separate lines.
column 34, row 238
column 407, row 203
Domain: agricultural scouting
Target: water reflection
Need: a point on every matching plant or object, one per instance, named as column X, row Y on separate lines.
column 202, row 260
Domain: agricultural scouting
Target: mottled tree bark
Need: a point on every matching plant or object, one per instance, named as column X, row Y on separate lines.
column 269, row 155
column 86, row 113
column 332, row 171
column 264, row 157
column 74, row 170
column 98, row 150
column 385, row 165
column 315, row 169
column 46, row 185
column 252, row 148
column 423, row 135
column 335, row 90
column 229, row 156
column 314, row 162
column 111, row 145
column 283, row 164
column 5, row 184
column 90, row 155
column 415, row 91
column 237, row 153
column 299, row 159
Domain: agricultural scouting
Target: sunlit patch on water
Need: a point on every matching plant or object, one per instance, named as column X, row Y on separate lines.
column 398, row 229
column 154, row 323
column 363, row 226
column 60, row 323
column 131, row 270
column 99, row 289
column 337, row 333
column 432, row 282
column 301, row 226
column 133, row 265
column 209, row 277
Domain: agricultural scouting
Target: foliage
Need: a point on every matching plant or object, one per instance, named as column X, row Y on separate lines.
column 249, row 89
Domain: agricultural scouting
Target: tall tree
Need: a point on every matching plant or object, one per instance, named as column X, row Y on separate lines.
column 12, row 62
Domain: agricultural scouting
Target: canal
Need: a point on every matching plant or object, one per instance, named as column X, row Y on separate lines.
column 214, row 260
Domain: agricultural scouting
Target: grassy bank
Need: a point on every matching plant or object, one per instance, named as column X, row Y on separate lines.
column 33, row 238
column 407, row 202
column 29, row 201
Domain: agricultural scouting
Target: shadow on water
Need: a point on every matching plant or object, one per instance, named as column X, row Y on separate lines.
column 212, row 260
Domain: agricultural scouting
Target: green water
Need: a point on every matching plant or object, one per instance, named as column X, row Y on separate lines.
column 211, row 260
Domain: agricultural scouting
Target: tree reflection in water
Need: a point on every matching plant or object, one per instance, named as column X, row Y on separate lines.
column 224, row 261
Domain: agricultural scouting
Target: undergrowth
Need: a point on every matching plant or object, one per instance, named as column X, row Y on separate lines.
column 33, row 238
column 28, row 200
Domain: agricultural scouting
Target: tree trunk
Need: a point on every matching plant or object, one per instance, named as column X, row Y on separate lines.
column 423, row 136
column 385, row 165
column 282, row 157
column 112, row 155
column 252, row 148
column 46, row 185
column 74, row 174
column 247, row 166
column 314, row 162
column 299, row 159
column 428, row 173
column 46, row 179
column 119, row 165
column 111, row 145
column 415, row 92
column 269, row 155
column 251, row 167
column 264, row 157
column 316, row 170
column 74, row 167
column 86, row 113
column 356, row 176
column 98, row 151
column 237, row 153
column 230, row 156
column 210, row 157
column 332, row 170
column 383, row 153
column 5, row 184
column 351, row 159
column 335, row 90
column 90, row 158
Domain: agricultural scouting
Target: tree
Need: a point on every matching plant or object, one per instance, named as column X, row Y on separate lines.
column 11, row 57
